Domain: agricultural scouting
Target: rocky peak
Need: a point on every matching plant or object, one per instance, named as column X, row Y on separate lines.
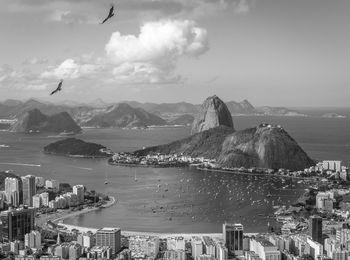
column 213, row 113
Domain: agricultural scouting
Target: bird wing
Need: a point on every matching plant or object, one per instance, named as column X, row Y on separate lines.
column 53, row 92
column 111, row 11
column 105, row 20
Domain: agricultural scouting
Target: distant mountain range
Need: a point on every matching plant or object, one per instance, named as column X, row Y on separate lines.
column 101, row 114
column 123, row 115
column 34, row 121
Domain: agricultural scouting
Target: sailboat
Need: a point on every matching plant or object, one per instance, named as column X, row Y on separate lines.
column 106, row 179
column 135, row 178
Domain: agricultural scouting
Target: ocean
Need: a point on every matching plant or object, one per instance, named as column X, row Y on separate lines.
column 179, row 200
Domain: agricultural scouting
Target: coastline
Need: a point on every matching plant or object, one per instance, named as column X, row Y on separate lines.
column 61, row 215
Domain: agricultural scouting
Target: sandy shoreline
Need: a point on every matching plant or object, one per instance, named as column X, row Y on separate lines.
column 60, row 215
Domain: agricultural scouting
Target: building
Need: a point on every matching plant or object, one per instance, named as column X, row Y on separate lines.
column 45, row 257
column 209, row 246
column 79, row 191
column 37, row 203
column 233, row 237
column 315, row 227
column 39, row 181
column 51, row 184
column 29, row 189
column 176, row 243
column 16, row 223
column 13, row 191
column 197, row 247
column 331, row 165
column 264, row 249
column 74, row 251
column 109, row 237
column 316, row 249
column 62, row 250
column 45, row 199
column 174, row 255
column 144, row 246
column 98, row 252
column 33, row 239
column 86, row 240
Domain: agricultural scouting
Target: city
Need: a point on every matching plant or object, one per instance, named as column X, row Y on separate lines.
column 315, row 228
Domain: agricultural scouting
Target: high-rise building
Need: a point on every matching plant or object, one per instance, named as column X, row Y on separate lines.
column 315, row 226
column 197, row 247
column 13, row 191
column 233, row 237
column 45, row 199
column 265, row 249
column 33, row 239
column 109, row 237
column 16, row 223
column 29, row 189
column 37, row 202
column 79, row 191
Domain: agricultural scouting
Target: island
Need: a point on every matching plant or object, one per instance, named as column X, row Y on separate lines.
column 74, row 147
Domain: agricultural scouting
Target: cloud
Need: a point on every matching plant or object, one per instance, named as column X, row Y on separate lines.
column 92, row 11
column 20, row 79
column 153, row 53
column 147, row 58
column 69, row 68
column 35, row 61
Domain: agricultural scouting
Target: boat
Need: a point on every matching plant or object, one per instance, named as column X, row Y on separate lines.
column 106, row 179
column 135, row 178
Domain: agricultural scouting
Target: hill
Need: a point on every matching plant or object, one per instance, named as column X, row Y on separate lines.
column 123, row 115
column 76, row 147
column 185, row 119
column 206, row 144
column 35, row 121
column 264, row 146
column 212, row 113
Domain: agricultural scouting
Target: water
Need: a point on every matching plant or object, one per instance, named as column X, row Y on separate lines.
column 175, row 200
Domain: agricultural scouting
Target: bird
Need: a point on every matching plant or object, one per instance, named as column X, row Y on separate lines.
column 110, row 14
column 59, row 87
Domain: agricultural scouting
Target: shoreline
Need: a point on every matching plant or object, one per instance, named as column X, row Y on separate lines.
column 135, row 165
column 61, row 215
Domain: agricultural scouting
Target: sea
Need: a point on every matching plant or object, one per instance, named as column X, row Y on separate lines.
column 177, row 200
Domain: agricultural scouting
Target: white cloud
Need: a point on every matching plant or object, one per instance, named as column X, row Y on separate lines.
column 35, row 61
column 20, row 79
column 70, row 69
column 92, row 11
column 152, row 55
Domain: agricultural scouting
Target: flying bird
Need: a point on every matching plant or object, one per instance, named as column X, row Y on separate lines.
column 110, row 15
column 59, row 88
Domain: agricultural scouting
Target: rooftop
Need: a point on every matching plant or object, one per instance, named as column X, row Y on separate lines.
column 109, row 229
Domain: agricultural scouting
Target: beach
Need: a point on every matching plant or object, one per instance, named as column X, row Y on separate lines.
column 60, row 215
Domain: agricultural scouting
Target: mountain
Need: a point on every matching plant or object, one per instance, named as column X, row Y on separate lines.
column 185, row 119
column 123, row 115
column 76, row 147
column 278, row 111
column 212, row 113
column 35, row 121
column 207, row 143
column 241, row 108
column 174, row 108
column 332, row 115
column 264, row 146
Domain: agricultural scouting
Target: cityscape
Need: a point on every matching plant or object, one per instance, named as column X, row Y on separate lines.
column 174, row 130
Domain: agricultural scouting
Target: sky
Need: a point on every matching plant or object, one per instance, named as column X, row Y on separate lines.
column 270, row 52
